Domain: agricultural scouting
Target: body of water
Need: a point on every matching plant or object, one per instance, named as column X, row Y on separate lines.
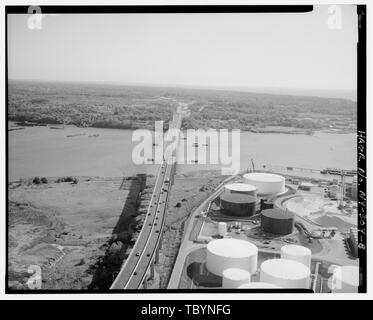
column 42, row 151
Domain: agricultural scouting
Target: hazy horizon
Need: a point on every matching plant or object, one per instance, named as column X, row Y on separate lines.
column 234, row 51
column 311, row 92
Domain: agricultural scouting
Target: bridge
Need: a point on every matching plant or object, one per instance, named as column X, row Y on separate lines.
column 139, row 266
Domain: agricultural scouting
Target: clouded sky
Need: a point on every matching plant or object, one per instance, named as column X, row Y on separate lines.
column 224, row 50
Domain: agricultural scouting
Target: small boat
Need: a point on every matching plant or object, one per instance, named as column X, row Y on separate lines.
column 15, row 128
column 57, row 127
column 75, row 135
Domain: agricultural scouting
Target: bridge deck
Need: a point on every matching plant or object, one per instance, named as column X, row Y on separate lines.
column 135, row 268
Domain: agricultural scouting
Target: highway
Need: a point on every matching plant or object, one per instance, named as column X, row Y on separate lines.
column 135, row 269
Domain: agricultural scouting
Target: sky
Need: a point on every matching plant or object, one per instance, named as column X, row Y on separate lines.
column 244, row 50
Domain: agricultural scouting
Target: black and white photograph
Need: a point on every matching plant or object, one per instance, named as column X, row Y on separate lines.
column 185, row 149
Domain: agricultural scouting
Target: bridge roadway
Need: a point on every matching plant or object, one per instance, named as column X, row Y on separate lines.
column 135, row 268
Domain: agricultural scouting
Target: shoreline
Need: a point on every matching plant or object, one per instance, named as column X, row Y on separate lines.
column 18, row 125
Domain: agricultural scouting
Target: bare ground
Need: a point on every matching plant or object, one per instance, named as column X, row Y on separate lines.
column 187, row 193
column 78, row 234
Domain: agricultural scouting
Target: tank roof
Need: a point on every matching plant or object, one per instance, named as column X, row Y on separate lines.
column 261, row 176
column 285, row 269
column 232, row 248
column 237, row 198
column 277, row 214
column 240, row 187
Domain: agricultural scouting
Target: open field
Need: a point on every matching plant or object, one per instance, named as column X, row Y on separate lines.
column 77, row 233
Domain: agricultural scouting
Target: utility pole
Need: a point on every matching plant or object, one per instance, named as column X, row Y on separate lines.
column 252, row 163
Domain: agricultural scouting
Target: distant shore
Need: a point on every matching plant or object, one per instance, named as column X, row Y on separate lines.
column 129, row 107
column 20, row 125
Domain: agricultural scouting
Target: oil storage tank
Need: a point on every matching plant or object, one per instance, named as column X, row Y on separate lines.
column 285, row 273
column 239, row 205
column 223, row 254
column 242, row 188
column 345, row 279
column 277, row 221
column 265, row 183
column 235, row 277
column 297, row 253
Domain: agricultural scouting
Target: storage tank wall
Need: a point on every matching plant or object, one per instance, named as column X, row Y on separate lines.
column 277, row 221
column 222, row 255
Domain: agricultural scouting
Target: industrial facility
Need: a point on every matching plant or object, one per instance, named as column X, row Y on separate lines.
column 236, row 263
column 245, row 199
column 255, row 238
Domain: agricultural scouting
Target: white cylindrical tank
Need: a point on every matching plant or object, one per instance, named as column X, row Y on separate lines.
column 345, row 279
column 235, row 277
column 258, row 285
column 222, row 228
column 265, row 183
column 223, row 254
column 297, row 253
column 243, row 188
column 285, row 273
